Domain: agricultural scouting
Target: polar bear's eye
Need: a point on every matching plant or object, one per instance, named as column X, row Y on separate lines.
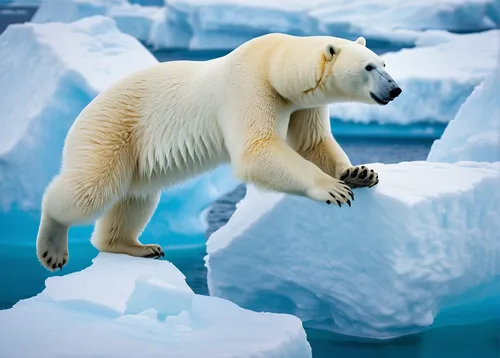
column 369, row 67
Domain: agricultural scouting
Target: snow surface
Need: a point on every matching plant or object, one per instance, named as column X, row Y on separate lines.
column 435, row 80
column 474, row 134
column 418, row 249
column 224, row 24
column 132, row 19
column 52, row 71
column 126, row 306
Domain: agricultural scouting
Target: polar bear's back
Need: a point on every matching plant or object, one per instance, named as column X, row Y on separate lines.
column 167, row 112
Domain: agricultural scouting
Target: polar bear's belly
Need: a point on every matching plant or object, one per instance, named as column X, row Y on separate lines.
column 180, row 154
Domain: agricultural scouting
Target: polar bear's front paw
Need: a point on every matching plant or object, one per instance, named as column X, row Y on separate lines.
column 331, row 190
column 359, row 177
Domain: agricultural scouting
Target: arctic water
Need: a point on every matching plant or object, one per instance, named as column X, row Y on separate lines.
column 23, row 277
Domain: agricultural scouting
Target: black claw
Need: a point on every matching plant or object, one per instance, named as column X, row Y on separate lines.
column 54, row 266
column 60, row 266
column 352, row 195
column 349, row 202
column 340, row 205
column 162, row 254
column 49, row 260
column 333, row 196
column 354, row 172
column 342, row 195
column 45, row 254
column 345, row 175
column 64, row 262
column 328, row 202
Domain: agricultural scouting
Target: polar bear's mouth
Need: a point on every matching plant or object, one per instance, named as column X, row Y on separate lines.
column 378, row 100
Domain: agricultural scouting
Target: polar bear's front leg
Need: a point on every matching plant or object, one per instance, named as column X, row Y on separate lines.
column 270, row 163
column 309, row 133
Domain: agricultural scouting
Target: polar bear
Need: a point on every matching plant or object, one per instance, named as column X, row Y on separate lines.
column 263, row 108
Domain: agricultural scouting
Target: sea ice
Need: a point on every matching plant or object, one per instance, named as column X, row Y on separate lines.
column 474, row 134
column 125, row 306
column 224, row 24
column 132, row 19
column 50, row 73
column 419, row 249
column 435, row 79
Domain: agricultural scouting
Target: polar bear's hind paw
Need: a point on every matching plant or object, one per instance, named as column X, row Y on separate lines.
column 359, row 177
column 156, row 251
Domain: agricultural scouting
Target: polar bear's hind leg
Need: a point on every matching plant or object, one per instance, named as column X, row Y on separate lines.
column 119, row 229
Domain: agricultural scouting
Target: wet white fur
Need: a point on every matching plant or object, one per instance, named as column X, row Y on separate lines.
column 263, row 108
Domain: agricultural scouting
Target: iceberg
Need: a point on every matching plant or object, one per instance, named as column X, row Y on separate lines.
column 132, row 19
column 125, row 306
column 224, row 24
column 51, row 72
column 474, row 134
column 436, row 80
column 418, row 251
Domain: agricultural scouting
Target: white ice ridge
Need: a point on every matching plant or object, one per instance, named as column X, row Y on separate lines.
column 474, row 134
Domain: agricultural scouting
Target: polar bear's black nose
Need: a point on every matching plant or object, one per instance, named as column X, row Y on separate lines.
column 395, row 92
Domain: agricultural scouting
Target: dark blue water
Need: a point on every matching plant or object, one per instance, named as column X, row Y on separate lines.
column 21, row 275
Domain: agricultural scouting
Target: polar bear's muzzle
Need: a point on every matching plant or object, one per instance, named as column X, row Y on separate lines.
column 386, row 89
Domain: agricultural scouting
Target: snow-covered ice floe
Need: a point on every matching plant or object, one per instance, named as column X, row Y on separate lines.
column 224, row 24
column 123, row 306
column 474, row 134
column 50, row 72
column 132, row 19
column 419, row 249
column 435, row 79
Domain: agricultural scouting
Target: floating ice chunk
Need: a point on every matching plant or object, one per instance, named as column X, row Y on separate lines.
column 113, row 279
column 474, row 134
column 135, row 20
column 421, row 244
column 132, row 19
column 51, row 72
column 125, row 306
column 71, row 10
column 435, row 80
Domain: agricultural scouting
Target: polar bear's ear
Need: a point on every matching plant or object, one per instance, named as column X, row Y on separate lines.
column 361, row 40
column 329, row 52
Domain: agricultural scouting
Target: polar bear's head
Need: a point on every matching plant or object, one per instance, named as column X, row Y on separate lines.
column 355, row 73
column 344, row 71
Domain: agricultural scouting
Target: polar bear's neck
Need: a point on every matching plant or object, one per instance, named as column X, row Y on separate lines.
column 298, row 70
